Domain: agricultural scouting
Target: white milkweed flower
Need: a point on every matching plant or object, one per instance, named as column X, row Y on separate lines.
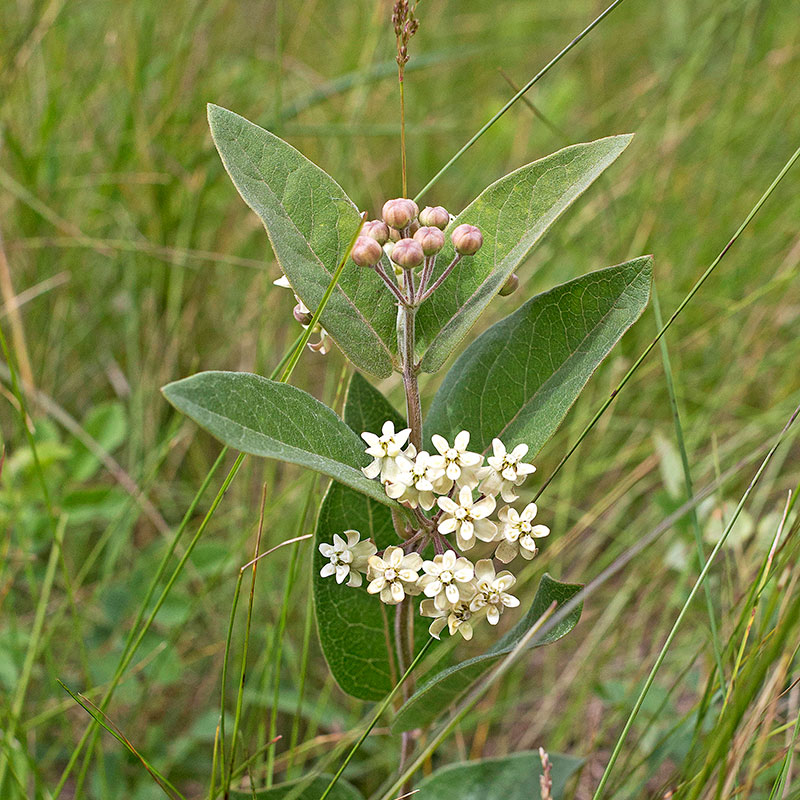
column 505, row 471
column 457, row 463
column 394, row 575
column 517, row 534
column 412, row 485
column 447, row 579
column 323, row 346
column 348, row 559
column 458, row 618
column 492, row 591
column 386, row 450
column 467, row 519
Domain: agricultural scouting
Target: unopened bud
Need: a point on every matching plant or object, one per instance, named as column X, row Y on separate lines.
column 407, row 253
column 302, row 314
column 434, row 216
column 399, row 213
column 467, row 239
column 431, row 239
column 366, row 251
column 376, row 229
column 510, row 286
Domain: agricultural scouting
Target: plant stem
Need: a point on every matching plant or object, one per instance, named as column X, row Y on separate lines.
column 403, row 132
column 440, row 280
column 390, row 283
column 405, row 334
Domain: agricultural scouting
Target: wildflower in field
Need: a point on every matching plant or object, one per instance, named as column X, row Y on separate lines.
column 467, row 518
column 492, row 591
column 348, row 559
column 505, row 470
column 447, row 578
column 413, row 485
column 386, row 450
column 517, row 534
column 458, row 463
column 459, row 618
column 394, row 575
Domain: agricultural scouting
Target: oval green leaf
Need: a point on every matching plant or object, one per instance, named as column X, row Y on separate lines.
column 310, row 222
column 518, row 379
column 275, row 420
column 355, row 627
column 513, row 214
column 436, row 694
column 514, row 777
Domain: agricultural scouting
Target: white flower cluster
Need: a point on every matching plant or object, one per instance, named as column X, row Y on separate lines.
column 445, row 483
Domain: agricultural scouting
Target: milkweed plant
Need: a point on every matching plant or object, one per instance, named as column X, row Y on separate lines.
column 429, row 516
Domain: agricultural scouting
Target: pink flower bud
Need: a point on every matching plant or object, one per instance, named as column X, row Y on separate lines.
column 302, row 314
column 366, row 252
column 376, row 229
column 434, row 216
column 510, row 286
column 467, row 240
column 407, row 253
column 399, row 213
column 431, row 239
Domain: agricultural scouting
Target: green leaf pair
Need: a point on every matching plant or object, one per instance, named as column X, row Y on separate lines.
column 310, row 222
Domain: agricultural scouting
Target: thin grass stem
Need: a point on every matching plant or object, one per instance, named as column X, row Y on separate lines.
column 542, row 72
column 701, row 577
column 688, row 486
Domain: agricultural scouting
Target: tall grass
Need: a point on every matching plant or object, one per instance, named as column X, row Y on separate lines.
column 131, row 261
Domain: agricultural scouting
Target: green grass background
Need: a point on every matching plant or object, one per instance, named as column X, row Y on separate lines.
column 131, row 261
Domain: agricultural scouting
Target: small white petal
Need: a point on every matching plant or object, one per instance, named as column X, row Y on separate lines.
column 327, row 571
column 440, row 443
column 461, row 441
column 451, row 592
column 492, row 615
column 373, row 470
column 342, row 571
column 447, row 525
column 412, row 561
column 355, row 579
column 397, row 591
column 436, row 627
column 484, row 570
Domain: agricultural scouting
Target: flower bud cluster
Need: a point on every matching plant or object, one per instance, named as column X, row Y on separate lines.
column 458, row 490
column 412, row 239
